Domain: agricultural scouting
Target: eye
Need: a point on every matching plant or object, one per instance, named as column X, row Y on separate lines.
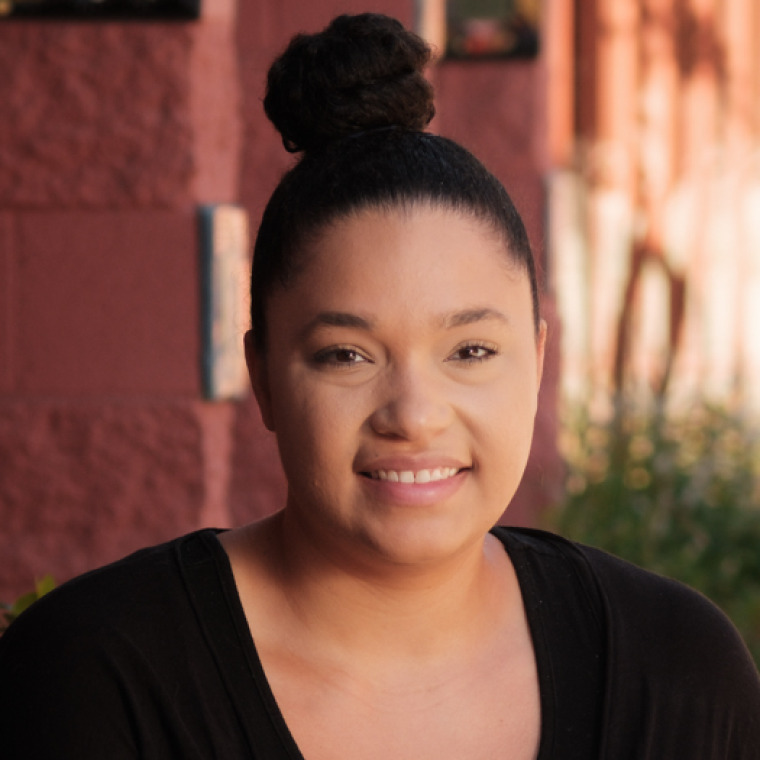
column 340, row 356
column 471, row 353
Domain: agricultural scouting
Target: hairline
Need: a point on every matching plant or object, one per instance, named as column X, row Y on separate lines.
column 408, row 204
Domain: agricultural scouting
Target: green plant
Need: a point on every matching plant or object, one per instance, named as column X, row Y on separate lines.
column 678, row 494
column 9, row 612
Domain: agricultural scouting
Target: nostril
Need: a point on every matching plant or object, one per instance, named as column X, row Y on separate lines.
column 411, row 416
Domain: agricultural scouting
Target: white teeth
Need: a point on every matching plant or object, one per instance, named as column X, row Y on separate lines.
column 422, row 476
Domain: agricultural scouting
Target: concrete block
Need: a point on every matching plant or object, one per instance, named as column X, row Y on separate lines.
column 108, row 303
column 84, row 484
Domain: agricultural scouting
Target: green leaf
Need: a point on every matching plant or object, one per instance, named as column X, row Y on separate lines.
column 45, row 585
column 677, row 492
column 23, row 603
column 9, row 612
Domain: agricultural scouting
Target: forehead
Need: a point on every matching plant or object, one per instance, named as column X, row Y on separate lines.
column 420, row 261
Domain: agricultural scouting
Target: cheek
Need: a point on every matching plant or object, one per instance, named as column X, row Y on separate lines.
column 315, row 429
column 503, row 417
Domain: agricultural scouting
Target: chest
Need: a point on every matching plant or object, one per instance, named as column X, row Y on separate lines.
column 484, row 712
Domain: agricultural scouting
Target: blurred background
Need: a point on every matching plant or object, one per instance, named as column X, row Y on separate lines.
column 628, row 134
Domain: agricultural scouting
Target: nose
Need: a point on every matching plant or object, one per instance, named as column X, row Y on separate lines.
column 413, row 405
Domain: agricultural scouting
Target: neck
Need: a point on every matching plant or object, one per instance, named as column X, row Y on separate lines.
column 389, row 610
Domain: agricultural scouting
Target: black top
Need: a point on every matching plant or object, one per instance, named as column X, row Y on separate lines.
column 152, row 658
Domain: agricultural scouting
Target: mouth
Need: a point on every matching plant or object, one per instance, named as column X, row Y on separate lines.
column 412, row 476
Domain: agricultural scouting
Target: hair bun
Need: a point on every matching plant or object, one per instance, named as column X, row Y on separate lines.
column 362, row 72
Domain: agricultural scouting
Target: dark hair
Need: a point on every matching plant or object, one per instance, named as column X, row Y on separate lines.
column 354, row 99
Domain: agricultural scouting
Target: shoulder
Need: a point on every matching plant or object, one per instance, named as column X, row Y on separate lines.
column 651, row 607
column 116, row 600
column 136, row 587
column 663, row 620
column 73, row 660
column 130, row 600
column 679, row 679
column 679, row 674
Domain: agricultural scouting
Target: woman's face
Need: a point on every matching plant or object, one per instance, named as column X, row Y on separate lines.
column 401, row 380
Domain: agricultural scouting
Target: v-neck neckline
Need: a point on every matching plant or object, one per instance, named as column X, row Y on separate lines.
column 233, row 641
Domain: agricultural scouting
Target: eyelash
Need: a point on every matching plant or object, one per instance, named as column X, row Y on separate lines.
column 489, row 349
column 329, row 357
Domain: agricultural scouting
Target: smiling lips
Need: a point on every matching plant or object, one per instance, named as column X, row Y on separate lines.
column 421, row 476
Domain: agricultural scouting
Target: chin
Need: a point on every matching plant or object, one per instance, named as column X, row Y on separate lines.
column 427, row 543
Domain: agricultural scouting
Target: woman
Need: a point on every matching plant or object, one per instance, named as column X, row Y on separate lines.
column 396, row 352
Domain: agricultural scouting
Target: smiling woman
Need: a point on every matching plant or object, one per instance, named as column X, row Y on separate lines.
column 396, row 352
column 405, row 345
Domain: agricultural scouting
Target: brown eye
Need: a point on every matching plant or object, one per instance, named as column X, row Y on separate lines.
column 340, row 356
column 472, row 353
column 347, row 356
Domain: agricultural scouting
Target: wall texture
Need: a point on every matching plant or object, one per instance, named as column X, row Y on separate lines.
column 111, row 135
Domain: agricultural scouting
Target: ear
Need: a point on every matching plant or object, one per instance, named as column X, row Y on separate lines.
column 541, row 349
column 257, row 371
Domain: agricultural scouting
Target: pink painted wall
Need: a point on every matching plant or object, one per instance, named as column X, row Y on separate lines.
column 110, row 136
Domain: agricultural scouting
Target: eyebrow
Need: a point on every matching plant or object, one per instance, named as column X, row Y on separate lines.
column 449, row 321
column 470, row 316
column 337, row 319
